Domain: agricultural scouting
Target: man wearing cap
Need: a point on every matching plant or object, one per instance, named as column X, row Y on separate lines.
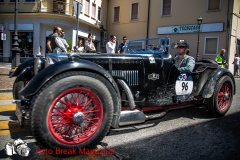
column 184, row 62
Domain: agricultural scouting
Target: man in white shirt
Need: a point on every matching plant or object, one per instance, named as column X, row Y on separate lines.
column 111, row 45
column 236, row 63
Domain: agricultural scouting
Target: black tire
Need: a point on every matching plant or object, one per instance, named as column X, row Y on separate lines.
column 18, row 85
column 63, row 97
column 221, row 100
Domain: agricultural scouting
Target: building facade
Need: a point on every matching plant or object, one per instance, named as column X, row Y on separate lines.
column 177, row 19
column 36, row 19
column 136, row 19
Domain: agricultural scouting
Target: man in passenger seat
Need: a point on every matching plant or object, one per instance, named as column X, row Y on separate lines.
column 184, row 62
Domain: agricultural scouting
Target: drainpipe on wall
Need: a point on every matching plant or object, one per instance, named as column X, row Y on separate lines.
column 107, row 15
column 229, row 26
column 149, row 3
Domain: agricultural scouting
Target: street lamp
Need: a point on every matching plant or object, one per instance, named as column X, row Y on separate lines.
column 15, row 49
column 199, row 20
column 77, row 9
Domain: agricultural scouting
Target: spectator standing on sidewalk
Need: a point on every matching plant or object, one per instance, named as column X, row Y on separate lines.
column 79, row 48
column 221, row 60
column 57, row 45
column 236, row 63
column 49, row 39
column 111, row 45
column 90, row 48
column 122, row 45
column 62, row 36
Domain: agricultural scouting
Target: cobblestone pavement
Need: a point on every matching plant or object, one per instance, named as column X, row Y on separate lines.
column 6, row 83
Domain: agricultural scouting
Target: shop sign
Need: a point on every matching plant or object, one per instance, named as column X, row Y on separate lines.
column 21, row 27
column 3, row 36
column 210, row 27
column 186, row 29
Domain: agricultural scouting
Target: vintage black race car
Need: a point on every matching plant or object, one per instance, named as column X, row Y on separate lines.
column 72, row 100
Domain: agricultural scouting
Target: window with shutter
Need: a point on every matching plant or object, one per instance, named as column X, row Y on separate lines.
column 238, row 46
column 93, row 10
column 116, row 14
column 166, row 8
column 87, row 7
column 211, row 45
column 99, row 13
column 134, row 13
column 214, row 4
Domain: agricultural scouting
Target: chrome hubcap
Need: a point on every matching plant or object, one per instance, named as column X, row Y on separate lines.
column 78, row 117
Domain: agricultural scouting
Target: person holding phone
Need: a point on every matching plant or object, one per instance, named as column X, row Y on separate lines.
column 90, row 48
column 111, row 45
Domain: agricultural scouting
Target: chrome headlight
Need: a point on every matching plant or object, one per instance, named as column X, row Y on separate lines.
column 48, row 61
column 38, row 65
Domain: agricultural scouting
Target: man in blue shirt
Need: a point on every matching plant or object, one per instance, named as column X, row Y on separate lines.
column 121, row 46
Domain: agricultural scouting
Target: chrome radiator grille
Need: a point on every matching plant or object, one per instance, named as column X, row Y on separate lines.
column 130, row 76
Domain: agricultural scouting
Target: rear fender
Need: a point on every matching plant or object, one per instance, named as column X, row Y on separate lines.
column 24, row 70
column 213, row 79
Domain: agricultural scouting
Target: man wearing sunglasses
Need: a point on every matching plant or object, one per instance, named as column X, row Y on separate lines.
column 122, row 45
column 184, row 62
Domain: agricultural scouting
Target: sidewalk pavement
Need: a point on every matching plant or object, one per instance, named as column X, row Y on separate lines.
column 6, row 83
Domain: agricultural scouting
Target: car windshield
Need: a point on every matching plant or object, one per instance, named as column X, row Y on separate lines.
column 147, row 45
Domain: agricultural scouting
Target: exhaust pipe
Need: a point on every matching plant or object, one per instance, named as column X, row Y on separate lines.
column 160, row 115
column 135, row 117
column 131, row 117
column 129, row 94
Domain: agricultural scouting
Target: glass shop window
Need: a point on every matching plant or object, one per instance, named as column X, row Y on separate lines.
column 25, row 41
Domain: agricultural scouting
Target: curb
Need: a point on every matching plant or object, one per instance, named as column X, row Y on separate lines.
column 6, row 90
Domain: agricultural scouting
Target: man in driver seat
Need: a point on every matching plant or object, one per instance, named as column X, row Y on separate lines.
column 184, row 62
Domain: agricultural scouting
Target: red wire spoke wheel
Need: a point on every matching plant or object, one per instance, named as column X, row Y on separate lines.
column 73, row 110
column 224, row 96
column 221, row 100
column 75, row 116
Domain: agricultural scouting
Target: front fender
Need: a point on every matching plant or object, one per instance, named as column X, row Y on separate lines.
column 24, row 70
column 53, row 70
column 65, row 65
column 212, row 81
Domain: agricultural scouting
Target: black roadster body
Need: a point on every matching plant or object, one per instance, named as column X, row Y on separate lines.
column 71, row 101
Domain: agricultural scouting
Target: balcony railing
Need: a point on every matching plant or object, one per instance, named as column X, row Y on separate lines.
column 56, row 6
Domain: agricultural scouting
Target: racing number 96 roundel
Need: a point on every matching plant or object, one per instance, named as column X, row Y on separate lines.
column 184, row 86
